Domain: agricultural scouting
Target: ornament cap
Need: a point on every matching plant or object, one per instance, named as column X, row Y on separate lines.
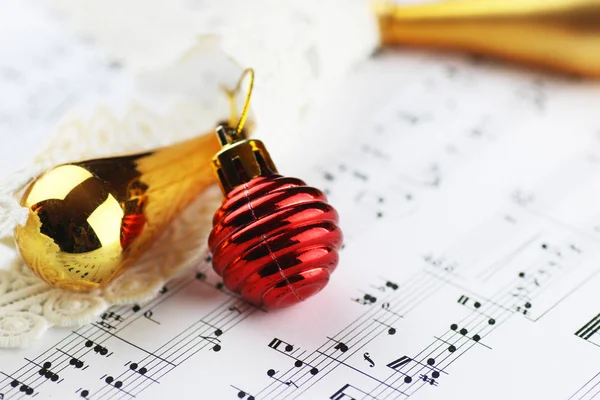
column 240, row 160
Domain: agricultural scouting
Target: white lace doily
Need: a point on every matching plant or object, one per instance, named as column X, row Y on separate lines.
column 29, row 306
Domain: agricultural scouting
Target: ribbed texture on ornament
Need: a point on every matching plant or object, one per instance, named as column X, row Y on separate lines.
column 275, row 241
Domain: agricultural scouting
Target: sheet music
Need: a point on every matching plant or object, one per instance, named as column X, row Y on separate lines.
column 468, row 193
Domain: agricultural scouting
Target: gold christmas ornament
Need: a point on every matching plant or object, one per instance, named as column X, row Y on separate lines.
column 562, row 35
column 90, row 220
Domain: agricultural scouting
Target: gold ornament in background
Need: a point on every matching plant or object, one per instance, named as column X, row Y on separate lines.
column 562, row 35
column 90, row 220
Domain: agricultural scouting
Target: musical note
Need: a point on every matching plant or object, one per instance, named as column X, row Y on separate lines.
column 148, row 315
column 287, row 350
column 46, row 373
column 243, row 394
column 464, row 331
column 135, row 367
column 215, row 341
column 24, row 388
column 76, row 363
column 109, row 380
column 465, row 299
column 391, row 285
column 366, row 300
column 368, row 359
column 275, row 343
column 84, row 393
column 99, row 349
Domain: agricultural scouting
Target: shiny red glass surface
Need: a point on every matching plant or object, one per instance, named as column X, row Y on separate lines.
column 275, row 241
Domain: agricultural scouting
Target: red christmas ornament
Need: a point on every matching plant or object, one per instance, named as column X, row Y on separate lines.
column 275, row 240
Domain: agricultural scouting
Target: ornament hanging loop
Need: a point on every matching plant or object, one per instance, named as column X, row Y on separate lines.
column 234, row 134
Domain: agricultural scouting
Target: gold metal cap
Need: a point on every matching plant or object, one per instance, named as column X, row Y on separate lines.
column 240, row 160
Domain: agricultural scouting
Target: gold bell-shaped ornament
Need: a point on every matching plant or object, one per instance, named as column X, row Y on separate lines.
column 90, row 220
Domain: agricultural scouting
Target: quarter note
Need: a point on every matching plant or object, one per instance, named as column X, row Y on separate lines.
column 99, row 349
column 76, row 363
column 109, row 380
column 46, row 373
column 135, row 367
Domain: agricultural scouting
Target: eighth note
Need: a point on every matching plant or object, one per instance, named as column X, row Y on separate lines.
column 367, row 358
